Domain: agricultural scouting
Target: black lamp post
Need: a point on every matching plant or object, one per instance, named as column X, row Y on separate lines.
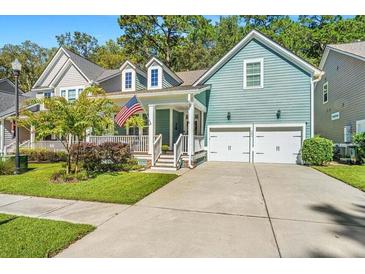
column 16, row 71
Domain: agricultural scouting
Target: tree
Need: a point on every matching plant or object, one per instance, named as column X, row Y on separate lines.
column 79, row 42
column 32, row 57
column 69, row 121
column 110, row 55
column 160, row 36
column 134, row 122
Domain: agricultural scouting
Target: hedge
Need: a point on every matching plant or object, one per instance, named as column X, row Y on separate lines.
column 317, row 151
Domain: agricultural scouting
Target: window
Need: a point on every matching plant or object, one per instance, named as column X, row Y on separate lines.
column 128, row 80
column 325, row 92
column 47, row 94
column 360, row 126
column 347, row 134
column 71, row 95
column 253, row 73
column 154, row 77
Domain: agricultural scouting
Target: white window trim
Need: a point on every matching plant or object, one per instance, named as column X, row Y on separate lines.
column 358, row 123
column 133, row 88
column 68, row 88
column 160, row 71
column 249, row 61
column 325, row 84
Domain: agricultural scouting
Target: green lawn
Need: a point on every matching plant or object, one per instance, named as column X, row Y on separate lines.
column 24, row 237
column 352, row 175
column 125, row 188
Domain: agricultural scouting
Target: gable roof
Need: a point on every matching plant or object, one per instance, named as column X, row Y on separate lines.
column 7, row 97
column 354, row 49
column 90, row 69
column 254, row 34
column 189, row 77
column 165, row 68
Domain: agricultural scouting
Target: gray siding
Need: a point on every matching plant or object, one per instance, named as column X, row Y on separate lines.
column 346, row 95
column 286, row 88
column 112, row 85
column 71, row 78
column 54, row 70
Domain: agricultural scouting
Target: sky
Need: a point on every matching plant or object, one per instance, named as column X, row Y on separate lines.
column 43, row 29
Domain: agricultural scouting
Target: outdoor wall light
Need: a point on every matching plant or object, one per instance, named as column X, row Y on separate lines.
column 278, row 114
column 228, row 116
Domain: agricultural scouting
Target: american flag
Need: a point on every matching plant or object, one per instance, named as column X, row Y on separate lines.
column 131, row 107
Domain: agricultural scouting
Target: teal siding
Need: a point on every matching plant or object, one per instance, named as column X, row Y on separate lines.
column 178, row 124
column 203, row 97
column 168, row 81
column 119, row 130
column 286, row 87
column 141, row 82
column 162, row 125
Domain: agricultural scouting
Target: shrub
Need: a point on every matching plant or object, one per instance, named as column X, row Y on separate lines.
column 131, row 164
column 317, row 151
column 165, row 148
column 7, row 166
column 107, row 156
column 44, row 155
column 359, row 140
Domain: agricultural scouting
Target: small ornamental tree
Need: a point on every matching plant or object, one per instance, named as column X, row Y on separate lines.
column 359, row 140
column 69, row 120
column 317, row 151
column 134, row 122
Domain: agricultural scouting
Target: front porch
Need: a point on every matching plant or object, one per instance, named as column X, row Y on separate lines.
column 176, row 121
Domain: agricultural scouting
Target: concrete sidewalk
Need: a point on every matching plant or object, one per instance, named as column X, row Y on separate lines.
column 93, row 213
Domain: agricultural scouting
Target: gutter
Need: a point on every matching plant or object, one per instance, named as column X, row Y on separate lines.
column 313, row 82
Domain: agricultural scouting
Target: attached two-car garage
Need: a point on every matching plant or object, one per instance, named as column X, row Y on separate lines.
column 256, row 143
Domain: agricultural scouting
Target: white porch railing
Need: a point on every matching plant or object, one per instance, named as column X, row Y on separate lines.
column 137, row 143
column 178, row 149
column 198, row 143
column 184, row 140
column 54, row 145
column 157, row 149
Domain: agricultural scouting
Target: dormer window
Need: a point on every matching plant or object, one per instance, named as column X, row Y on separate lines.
column 128, row 79
column 154, row 77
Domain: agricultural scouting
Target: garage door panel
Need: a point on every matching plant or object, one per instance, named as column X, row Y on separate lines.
column 233, row 146
column 278, row 146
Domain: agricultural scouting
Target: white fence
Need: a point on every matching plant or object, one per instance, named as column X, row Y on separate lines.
column 157, row 149
column 198, row 143
column 137, row 143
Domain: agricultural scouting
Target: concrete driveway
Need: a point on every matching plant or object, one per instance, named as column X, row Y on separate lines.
column 237, row 210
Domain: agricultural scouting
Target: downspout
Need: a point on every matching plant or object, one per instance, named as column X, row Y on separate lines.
column 313, row 82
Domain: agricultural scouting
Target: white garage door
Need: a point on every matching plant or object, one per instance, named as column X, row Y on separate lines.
column 229, row 145
column 277, row 145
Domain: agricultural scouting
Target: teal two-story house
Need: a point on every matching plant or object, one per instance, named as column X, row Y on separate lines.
column 254, row 105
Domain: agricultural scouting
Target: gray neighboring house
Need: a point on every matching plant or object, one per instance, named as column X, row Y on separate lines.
column 7, row 109
column 340, row 95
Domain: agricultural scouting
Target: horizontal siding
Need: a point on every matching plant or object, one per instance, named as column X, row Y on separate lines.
column 286, row 87
column 346, row 95
column 168, row 81
column 71, row 78
column 141, row 82
column 54, row 70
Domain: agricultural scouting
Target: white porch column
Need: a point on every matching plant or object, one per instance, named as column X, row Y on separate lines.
column 201, row 122
column 2, row 135
column 151, row 127
column 191, row 129
column 32, row 136
column 171, row 128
